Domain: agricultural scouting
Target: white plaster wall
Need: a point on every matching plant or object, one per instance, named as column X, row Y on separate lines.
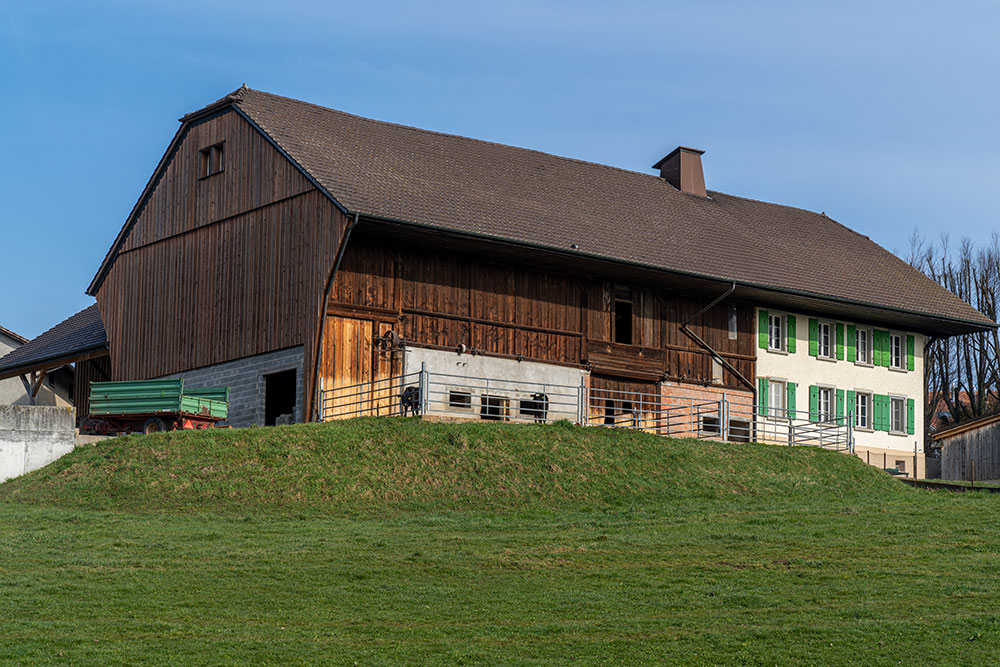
column 12, row 390
column 513, row 379
column 805, row 370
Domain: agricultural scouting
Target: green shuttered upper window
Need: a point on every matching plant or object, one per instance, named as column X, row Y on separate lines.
column 776, row 332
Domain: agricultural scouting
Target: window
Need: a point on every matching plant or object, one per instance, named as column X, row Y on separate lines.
column 212, row 160
column 895, row 351
column 732, row 322
column 776, row 398
column 825, row 404
column 739, row 430
column 716, row 371
column 897, row 414
column 824, row 340
column 776, row 332
column 863, row 410
column 901, row 465
column 494, row 408
column 710, row 425
column 623, row 320
column 460, row 399
column 864, row 346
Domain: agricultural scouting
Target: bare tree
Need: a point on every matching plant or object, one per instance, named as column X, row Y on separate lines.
column 962, row 371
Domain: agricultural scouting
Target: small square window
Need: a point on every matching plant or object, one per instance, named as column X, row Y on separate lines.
column 494, row 408
column 710, row 425
column 212, row 159
column 460, row 399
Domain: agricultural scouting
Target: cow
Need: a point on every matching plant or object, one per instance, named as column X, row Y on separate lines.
column 537, row 406
column 410, row 401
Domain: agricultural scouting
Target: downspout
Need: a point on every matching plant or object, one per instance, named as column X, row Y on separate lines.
column 715, row 355
column 313, row 384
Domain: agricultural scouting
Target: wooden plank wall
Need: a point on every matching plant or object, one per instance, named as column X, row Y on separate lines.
column 222, row 267
column 91, row 370
column 443, row 298
column 979, row 448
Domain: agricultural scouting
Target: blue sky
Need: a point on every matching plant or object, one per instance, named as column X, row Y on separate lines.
column 881, row 114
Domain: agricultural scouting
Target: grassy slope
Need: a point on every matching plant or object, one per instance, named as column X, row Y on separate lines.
column 387, row 542
column 374, row 467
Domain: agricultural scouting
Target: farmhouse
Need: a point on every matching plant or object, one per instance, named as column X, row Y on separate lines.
column 326, row 265
column 54, row 387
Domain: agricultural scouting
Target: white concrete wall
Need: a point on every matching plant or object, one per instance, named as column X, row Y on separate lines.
column 559, row 383
column 33, row 436
column 805, row 370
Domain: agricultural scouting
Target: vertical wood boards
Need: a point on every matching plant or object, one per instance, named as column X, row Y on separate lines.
column 444, row 298
column 87, row 371
column 349, row 359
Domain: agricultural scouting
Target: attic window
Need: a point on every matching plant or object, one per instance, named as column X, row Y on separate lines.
column 212, row 159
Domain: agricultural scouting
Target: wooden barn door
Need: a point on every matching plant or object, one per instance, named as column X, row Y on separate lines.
column 356, row 371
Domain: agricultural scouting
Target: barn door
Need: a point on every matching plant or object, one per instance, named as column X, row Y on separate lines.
column 355, row 369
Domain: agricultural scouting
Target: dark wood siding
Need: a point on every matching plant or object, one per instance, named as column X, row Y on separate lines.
column 223, row 267
column 444, row 298
column 90, row 370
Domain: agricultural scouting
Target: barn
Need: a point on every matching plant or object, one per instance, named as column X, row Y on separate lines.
column 325, row 265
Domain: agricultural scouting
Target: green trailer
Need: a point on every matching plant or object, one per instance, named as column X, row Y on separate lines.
column 148, row 406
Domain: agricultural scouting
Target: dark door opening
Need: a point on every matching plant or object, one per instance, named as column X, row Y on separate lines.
column 279, row 397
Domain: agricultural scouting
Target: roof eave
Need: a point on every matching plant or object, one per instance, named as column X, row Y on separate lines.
column 970, row 325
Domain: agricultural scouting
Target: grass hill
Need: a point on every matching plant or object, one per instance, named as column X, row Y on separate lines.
column 396, row 541
column 379, row 467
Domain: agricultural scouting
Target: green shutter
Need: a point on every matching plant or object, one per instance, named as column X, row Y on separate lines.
column 840, row 341
column 762, row 329
column 910, row 409
column 840, row 404
column 881, row 412
column 910, row 365
column 762, row 395
column 876, row 347
column 852, row 406
column 852, row 343
column 876, row 412
column 813, row 337
column 884, row 356
column 791, row 334
column 790, row 400
column 813, row 403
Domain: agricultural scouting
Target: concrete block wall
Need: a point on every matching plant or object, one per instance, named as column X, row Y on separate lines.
column 33, row 436
column 245, row 379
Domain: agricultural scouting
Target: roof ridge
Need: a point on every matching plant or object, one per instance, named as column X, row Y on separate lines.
column 437, row 133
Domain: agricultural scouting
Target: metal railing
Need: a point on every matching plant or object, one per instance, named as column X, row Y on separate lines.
column 701, row 414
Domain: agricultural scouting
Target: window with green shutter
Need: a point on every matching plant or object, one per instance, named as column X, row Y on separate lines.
column 790, row 323
column 840, row 404
column 852, row 343
column 910, row 363
column 790, row 402
column 762, row 321
column 762, row 397
column 852, row 409
column 840, row 341
column 813, row 403
column 813, row 337
column 910, row 410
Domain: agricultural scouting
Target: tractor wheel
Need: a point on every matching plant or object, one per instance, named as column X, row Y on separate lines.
column 153, row 425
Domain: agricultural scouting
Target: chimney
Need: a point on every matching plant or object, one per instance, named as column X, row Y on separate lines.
column 682, row 169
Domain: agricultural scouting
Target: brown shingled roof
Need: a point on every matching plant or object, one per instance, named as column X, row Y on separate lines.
column 465, row 185
column 77, row 337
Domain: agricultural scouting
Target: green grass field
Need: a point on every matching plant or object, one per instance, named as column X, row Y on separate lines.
column 396, row 541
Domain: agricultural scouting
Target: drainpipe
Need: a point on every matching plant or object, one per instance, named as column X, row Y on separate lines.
column 715, row 355
column 322, row 314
